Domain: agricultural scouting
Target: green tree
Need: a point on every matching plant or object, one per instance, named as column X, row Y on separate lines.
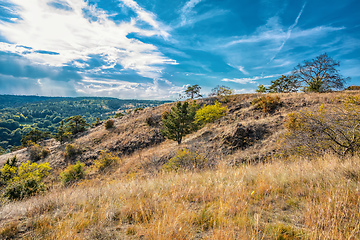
column 179, row 121
column 34, row 136
column 261, row 89
column 76, row 124
column 62, row 135
column 319, row 74
column 193, row 91
column 284, row 84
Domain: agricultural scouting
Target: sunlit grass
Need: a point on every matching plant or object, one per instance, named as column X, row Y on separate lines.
column 281, row 200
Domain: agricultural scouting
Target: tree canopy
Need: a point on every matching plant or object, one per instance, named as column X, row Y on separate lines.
column 193, row 91
column 319, row 74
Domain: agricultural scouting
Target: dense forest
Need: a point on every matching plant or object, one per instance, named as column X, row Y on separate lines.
column 20, row 114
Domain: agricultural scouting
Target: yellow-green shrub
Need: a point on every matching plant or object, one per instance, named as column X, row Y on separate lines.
column 266, row 103
column 105, row 160
column 72, row 173
column 25, row 180
column 186, row 159
column 210, row 113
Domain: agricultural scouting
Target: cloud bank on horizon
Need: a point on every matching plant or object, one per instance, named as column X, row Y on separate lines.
column 154, row 49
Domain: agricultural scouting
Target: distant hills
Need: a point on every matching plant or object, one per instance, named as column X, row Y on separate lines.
column 19, row 114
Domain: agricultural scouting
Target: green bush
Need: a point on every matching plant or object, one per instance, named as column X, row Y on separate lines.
column 25, row 180
column 210, row 113
column 186, row 159
column 109, row 124
column 119, row 114
column 72, row 173
column 106, row 160
column 266, row 103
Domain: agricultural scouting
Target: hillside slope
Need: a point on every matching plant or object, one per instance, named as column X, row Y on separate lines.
column 245, row 134
column 246, row 192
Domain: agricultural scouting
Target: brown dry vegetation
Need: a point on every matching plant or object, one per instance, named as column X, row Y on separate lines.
column 246, row 192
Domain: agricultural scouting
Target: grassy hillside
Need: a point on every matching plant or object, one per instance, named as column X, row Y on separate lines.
column 246, row 188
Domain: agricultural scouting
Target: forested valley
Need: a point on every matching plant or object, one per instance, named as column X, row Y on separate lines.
column 20, row 114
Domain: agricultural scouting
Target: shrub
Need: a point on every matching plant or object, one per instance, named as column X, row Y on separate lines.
column 7, row 172
column 72, row 173
column 109, row 124
column 210, row 113
column 26, row 180
column 105, row 160
column 334, row 130
column 119, row 114
column 37, row 152
column 186, row 159
column 266, row 103
column 138, row 109
column 150, row 121
column 96, row 123
column 71, row 151
column 353, row 88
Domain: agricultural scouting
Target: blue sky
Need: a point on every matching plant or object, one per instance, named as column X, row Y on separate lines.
column 153, row 49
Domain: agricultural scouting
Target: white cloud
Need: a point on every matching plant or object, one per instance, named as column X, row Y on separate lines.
column 160, row 89
column 74, row 37
column 249, row 80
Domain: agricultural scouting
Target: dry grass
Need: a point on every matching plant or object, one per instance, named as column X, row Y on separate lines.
column 301, row 199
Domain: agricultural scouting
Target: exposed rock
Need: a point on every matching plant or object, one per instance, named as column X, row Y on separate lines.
column 241, row 137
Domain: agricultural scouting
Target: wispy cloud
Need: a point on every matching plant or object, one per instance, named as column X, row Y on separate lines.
column 273, row 31
column 288, row 34
column 68, row 32
column 250, row 80
column 148, row 17
column 187, row 10
column 189, row 16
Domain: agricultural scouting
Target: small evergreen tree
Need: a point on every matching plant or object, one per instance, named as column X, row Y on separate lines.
column 34, row 136
column 261, row 89
column 76, row 124
column 61, row 134
column 179, row 121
